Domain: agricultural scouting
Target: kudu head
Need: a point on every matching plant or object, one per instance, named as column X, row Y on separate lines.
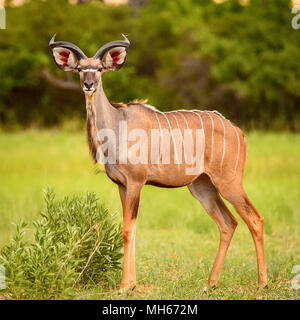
column 69, row 57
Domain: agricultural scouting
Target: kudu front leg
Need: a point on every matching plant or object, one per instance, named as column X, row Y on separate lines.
column 130, row 197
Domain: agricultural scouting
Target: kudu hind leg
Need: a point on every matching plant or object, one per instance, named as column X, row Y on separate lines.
column 235, row 194
column 203, row 190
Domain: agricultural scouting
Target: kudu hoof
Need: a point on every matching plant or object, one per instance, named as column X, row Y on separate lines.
column 126, row 287
column 207, row 288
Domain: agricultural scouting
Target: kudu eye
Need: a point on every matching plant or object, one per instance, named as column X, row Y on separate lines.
column 100, row 69
column 79, row 70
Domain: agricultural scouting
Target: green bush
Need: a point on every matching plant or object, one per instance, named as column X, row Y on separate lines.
column 76, row 243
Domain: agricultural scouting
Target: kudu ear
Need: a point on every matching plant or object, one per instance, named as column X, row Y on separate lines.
column 115, row 58
column 65, row 59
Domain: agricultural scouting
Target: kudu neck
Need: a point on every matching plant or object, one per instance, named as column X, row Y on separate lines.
column 100, row 115
column 105, row 115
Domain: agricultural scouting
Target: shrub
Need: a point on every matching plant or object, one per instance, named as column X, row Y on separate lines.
column 76, row 243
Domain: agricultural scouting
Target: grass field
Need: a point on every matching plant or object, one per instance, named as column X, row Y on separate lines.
column 176, row 240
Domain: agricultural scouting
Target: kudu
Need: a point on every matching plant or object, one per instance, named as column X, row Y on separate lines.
column 221, row 157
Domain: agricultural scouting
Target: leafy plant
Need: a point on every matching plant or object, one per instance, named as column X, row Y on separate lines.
column 76, row 243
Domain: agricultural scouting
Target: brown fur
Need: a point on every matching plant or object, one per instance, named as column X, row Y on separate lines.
column 91, row 134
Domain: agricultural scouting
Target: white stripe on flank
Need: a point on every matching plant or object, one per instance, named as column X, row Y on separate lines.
column 191, row 134
column 202, row 127
column 174, row 115
column 175, row 149
column 198, row 115
column 179, row 112
column 224, row 144
column 182, row 141
column 212, row 137
column 238, row 153
column 160, row 134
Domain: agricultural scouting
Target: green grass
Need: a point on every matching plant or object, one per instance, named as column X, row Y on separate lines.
column 176, row 240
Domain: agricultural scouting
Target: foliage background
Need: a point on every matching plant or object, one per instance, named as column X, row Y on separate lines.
column 243, row 60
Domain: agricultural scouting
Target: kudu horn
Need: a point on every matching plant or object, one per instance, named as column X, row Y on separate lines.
column 119, row 43
column 77, row 51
